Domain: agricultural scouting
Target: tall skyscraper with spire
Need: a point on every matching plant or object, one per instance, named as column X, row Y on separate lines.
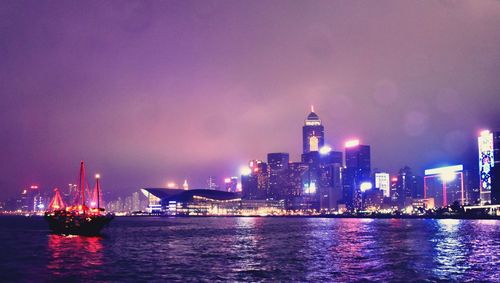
column 313, row 136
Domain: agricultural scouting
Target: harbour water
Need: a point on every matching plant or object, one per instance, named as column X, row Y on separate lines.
column 254, row 249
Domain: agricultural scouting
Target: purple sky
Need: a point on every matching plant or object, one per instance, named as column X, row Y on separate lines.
column 151, row 91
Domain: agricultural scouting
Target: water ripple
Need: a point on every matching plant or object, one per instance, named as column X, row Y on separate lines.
column 255, row 250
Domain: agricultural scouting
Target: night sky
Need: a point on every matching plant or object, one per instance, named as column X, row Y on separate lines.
column 151, row 91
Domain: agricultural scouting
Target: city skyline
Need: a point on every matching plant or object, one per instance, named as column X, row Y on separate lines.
column 322, row 147
column 149, row 92
column 249, row 140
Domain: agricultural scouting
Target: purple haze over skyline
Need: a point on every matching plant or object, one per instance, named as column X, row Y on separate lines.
column 151, row 91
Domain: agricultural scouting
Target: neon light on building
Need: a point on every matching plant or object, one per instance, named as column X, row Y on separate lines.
column 310, row 188
column 442, row 185
column 313, row 143
column 486, row 162
column 444, row 170
column 366, row 186
column 325, row 149
column 352, row 143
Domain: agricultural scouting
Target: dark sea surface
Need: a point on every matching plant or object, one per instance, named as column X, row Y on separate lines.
column 254, row 249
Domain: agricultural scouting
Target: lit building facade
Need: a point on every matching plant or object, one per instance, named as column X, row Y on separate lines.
column 357, row 171
column 31, row 200
column 255, row 185
column 330, row 179
column 495, row 172
column 489, row 163
column 310, row 193
column 297, row 179
column 313, row 136
column 203, row 202
column 383, row 183
column 231, row 184
column 445, row 185
column 408, row 187
column 373, row 199
column 278, row 169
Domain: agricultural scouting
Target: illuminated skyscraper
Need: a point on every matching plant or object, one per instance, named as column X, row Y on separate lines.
column 231, row 184
column 278, row 169
column 329, row 180
column 495, row 172
column 313, row 137
column 311, row 179
column 357, row 171
column 30, row 199
column 408, row 186
column 489, row 166
column 296, row 180
column 255, row 182
column 322, row 187
column 382, row 182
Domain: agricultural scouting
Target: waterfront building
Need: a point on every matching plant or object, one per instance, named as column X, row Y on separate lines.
column 297, row 179
column 394, row 189
column 313, row 136
column 136, row 202
column 191, row 202
column 373, row 199
column 495, row 172
column 196, row 202
column 31, row 200
column 357, row 171
column 382, row 182
column 330, row 178
column 489, row 167
column 154, row 197
column 445, row 185
column 423, row 203
column 128, row 204
column 408, row 186
column 261, row 207
column 24, row 201
column 231, row 184
column 278, row 169
column 202, row 202
column 322, row 185
column 255, row 182
column 70, row 193
column 310, row 194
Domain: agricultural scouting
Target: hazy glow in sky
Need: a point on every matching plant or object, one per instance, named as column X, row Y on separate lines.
column 153, row 91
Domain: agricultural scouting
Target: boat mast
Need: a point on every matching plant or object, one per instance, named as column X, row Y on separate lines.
column 97, row 177
column 82, row 183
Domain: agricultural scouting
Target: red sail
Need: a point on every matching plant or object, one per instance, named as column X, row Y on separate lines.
column 57, row 202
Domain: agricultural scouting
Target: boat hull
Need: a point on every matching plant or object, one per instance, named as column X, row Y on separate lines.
column 70, row 223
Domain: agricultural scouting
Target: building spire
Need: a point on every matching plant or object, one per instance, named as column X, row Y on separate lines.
column 312, row 108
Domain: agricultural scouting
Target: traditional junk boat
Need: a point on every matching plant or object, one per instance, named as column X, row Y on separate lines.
column 78, row 219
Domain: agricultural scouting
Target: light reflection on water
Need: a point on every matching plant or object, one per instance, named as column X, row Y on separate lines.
column 79, row 255
column 257, row 249
column 462, row 252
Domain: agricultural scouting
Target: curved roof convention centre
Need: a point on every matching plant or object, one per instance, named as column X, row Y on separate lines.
column 178, row 195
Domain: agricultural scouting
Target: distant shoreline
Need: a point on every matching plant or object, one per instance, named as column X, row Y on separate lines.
column 323, row 216
column 295, row 216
